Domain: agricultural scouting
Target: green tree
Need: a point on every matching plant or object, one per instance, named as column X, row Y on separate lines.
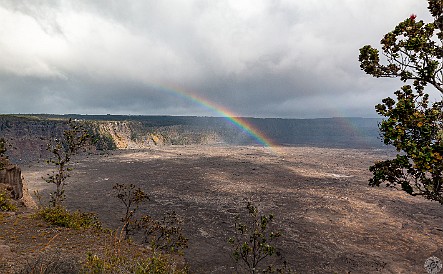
column 73, row 140
column 412, row 123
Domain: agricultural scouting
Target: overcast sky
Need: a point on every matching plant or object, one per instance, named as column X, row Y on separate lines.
column 276, row 58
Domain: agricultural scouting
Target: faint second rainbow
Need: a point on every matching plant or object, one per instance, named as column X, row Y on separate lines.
column 240, row 122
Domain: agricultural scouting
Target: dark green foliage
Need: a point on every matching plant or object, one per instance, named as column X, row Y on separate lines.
column 131, row 197
column 74, row 139
column 254, row 244
column 415, row 128
column 166, row 234
column 60, row 216
column 412, row 124
column 412, row 52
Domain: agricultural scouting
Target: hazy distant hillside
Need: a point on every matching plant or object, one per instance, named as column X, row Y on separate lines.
column 28, row 134
column 330, row 132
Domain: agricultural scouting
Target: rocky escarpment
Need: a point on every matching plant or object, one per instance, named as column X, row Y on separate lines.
column 13, row 185
column 11, row 178
column 135, row 134
column 28, row 136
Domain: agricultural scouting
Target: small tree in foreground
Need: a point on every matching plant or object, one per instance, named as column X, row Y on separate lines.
column 165, row 234
column 254, row 243
column 413, row 124
column 74, row 139
column 131, row 197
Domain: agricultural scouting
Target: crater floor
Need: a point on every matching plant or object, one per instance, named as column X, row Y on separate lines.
column 331, row 221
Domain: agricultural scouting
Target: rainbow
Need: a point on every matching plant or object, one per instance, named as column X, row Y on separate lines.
column 224, row 112
column 347, row 123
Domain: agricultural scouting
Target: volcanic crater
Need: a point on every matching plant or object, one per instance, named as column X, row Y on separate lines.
column 330, row 219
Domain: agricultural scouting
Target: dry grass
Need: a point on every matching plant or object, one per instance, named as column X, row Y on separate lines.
column 37, row 246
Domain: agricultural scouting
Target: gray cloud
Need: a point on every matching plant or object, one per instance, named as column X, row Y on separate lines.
column 256, row 58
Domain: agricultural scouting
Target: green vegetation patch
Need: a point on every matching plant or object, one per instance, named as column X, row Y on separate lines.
column 5, row 203
column 60, row 216
column 157, row 263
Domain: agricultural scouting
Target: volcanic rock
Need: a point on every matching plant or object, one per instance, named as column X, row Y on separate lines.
column 11, row 176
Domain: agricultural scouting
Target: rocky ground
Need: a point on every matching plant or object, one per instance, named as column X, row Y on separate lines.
column 331, row 221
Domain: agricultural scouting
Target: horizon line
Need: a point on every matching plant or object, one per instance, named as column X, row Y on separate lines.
column 198, row 116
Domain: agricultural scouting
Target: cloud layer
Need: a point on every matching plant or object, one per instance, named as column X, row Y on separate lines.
column 257, row 58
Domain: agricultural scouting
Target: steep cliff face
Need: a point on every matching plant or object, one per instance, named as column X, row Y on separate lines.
column 11, row 178
column 27, row 137
column 135, row 135
column 126, row 134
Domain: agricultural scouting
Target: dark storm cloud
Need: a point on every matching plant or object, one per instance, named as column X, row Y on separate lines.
column 257, row 58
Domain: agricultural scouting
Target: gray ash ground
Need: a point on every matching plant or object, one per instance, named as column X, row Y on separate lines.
column 330, row 219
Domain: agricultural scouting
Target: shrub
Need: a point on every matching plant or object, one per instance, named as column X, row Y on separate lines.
column 254, row 243
column 158, row 263
column 131, row 197
column 5, row 203
column 51, row 264
column 166, row 234
column 60, row 216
